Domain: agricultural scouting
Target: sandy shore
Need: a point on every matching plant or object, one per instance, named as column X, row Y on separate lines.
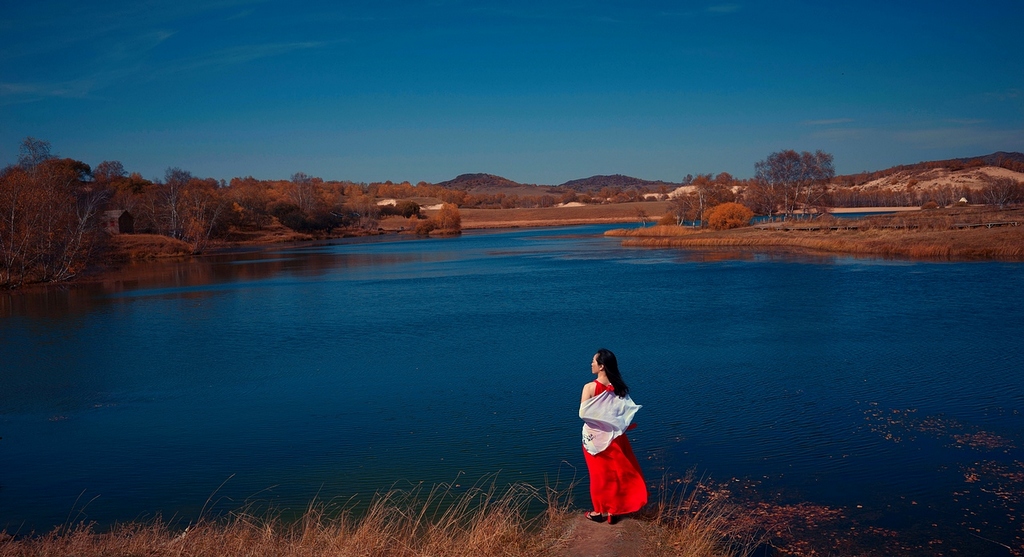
column 848, row 210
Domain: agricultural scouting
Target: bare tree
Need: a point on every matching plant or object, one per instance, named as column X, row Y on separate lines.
column 680, row 205
column 642, row 216
column 169, row 200
column 303, row 192
column 33, row 152
column 1003, row 191
column 786, row 179
column 201, row 208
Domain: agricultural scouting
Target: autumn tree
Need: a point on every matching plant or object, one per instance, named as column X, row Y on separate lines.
column 729, row 215
column 366, row 211
column 200, row 209
column 705, row 191
column 448, row 218
column 109, row 172
column 447, row 221
column 252, row 199
column 304, row 192
column 169, row 201
column 47, row 216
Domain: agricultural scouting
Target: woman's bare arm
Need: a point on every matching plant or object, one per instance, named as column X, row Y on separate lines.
column 588, row 392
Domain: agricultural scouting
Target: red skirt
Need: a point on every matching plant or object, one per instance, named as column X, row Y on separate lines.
column 616, row 484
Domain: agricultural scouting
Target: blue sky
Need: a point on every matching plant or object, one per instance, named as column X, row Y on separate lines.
column 536, row 92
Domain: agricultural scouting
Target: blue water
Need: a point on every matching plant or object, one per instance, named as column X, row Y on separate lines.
column 336, row 370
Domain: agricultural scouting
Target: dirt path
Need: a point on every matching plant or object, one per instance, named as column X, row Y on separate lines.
column 593, row 539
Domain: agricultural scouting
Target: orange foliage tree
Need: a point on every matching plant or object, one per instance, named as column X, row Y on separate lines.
column 448, row 218
column 729, row 215
column 47, row 217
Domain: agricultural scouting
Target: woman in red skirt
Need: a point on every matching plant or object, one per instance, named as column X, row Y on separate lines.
column 617, row 486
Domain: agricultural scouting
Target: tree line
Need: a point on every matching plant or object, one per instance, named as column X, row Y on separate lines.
column 50, row 206
column 787, row 183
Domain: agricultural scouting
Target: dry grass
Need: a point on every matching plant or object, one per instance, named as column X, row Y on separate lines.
column 273, row 233
column 133, row 247
column 561, row 216
column 699, row 520
column 921, row 235
column 398, row 523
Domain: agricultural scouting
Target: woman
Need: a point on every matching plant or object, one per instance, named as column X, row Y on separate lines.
column 616, row 485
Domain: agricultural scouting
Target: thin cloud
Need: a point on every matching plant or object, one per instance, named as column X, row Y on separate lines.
column 958, row 137
column 75, row 88
column 966, row 121
column 239, row 55
column 723, row 9
column 1007, row 95
column 240, row 15
column 120, row 59
column 828, row 122
column 837, row 134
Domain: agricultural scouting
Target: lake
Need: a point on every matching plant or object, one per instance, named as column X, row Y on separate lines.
column 888, row 391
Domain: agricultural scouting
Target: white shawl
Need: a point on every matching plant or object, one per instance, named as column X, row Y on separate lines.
column 605, row 417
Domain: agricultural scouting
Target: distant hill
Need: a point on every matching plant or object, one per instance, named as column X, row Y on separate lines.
column 1012, row 161
column 481, row 183
column 999, row 158
column 596, row 183
column 470, row 182
column 489, row 183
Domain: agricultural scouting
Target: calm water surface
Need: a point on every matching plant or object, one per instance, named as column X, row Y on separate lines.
column 890, row 390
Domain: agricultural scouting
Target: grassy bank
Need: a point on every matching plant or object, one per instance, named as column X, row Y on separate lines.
column 562, row 216
column 409, row 524
column 957, row 234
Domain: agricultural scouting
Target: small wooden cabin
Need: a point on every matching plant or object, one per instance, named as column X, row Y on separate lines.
column 117, row 221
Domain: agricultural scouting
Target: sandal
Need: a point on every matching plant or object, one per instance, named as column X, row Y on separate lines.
column 595, row 516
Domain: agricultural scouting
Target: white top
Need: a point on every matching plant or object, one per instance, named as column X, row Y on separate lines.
column 605, row 417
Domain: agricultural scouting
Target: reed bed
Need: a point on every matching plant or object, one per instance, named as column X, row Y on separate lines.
column 1003, row 244
column 656, row 231
column 397, row 523
column 936, row 235
column 699, row 520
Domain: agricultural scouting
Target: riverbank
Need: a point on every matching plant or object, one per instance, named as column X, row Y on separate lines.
column 957, row 233
column 611, row 213
column 414, row 524
column 947, row 234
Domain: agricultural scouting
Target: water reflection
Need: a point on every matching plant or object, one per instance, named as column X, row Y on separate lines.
column 828, row 390
column 185, row 277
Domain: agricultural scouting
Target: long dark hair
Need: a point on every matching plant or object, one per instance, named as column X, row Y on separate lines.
column 611, row 369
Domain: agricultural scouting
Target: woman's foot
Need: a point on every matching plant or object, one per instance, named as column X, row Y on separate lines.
column 595, row 516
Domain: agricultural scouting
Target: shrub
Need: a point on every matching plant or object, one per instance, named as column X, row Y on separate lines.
column 426, row 227
column 408, row 208
column 403, row 208
column 448, row 218
column 930, row 205
column 668, row 218
column 729, row 215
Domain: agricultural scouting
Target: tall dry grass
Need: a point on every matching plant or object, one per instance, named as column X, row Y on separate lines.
column 1001, row 243
column 398, row 523
column 697, row 519
column 923, row 235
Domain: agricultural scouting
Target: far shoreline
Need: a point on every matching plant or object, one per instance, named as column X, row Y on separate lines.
column 1003, row 243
